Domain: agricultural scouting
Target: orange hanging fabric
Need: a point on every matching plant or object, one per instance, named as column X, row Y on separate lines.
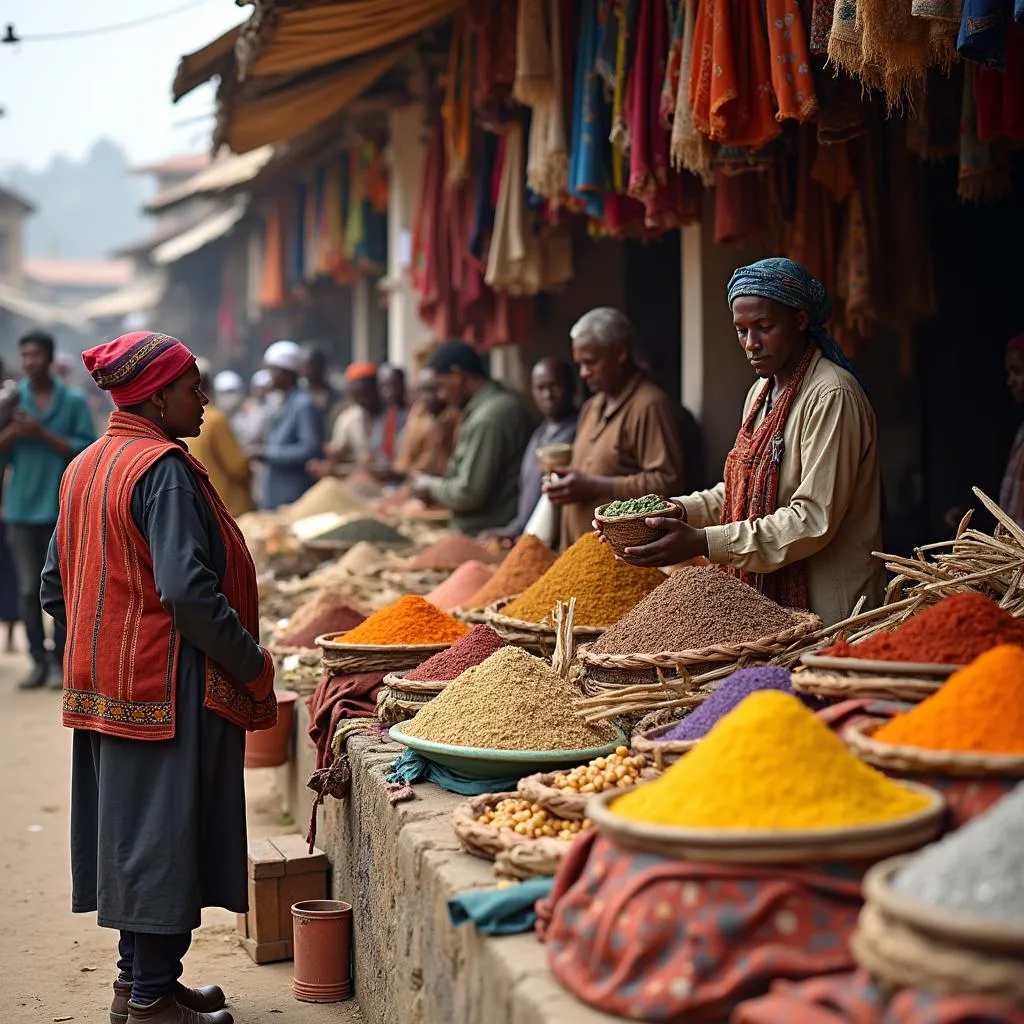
column 272, row 285
column 792, row 74
column 730, row 84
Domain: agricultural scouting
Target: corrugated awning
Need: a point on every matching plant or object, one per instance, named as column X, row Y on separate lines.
column 279, row 40
column 285, row 113
column 219, row 177
column 202, row 234
column 215, row 58
column 16, row 301
column 137, row 297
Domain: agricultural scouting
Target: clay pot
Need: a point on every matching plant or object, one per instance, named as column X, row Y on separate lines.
column 268, row 748
column 322, row 933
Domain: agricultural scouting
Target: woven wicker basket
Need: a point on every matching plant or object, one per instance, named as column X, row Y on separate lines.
column 536, row 635
column 623, row 532
column 537, row 858
column 399, row 699
column 470, row 616
column 540, row 789
column 836, row 686
column 482, row 840
column 608, row 671
column 906, row 944
column 340, row 657
column 662, row 752
column 773, row 846
column 917, row 761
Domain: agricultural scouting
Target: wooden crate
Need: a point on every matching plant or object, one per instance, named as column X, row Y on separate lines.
column 281, row 872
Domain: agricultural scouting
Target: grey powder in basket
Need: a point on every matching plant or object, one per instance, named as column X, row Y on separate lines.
column 365, row 530
column 511, row 701
column 697, row 607
column 979, row 869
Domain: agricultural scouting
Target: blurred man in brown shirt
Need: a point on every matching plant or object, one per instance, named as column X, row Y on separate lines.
column 629, row 440
column 430, row 430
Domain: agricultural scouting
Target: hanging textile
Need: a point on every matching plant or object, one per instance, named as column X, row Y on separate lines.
column 311, row 230
column 457, row 108
column 895, row 43
column 294, row 222
column 730, row 85
column 984, row 166
column 822, row 16
column 742, row 207
column 673, row 63
column 999, row 95
column 533, row 83
column 841, row 116
column 792, row 74
column 334, row 231
column 492, row 25
column 844, row 43
column 943, row 17
column 688, row 149
column 588, row 174
column 272, row 285
column 626, row 13
column 982, row 35
column 255, row 241
column 547, row 168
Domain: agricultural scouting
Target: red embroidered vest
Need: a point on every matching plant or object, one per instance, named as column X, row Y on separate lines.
column 121, row 659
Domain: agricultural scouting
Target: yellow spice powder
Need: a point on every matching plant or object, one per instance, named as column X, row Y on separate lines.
column 769, row 764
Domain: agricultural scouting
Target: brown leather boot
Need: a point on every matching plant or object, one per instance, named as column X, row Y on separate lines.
column 204, row 1000
column 169, row 1011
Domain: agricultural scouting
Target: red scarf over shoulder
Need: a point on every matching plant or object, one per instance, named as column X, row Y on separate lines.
column 121, row 660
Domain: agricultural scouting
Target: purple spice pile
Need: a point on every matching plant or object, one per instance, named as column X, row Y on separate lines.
column 475, row 647
column 733, row 689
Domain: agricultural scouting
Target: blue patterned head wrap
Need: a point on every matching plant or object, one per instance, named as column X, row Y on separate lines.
column 787, row 282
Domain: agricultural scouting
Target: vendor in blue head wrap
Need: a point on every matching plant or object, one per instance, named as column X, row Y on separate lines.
column 798, row 511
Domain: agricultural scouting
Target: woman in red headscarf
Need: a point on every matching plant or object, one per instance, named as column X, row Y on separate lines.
column 163, row 674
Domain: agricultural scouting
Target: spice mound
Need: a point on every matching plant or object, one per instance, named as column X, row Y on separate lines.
column 362, row 559
column 365, row 529
column 605, row 589
column 980, row 708
column 530, row 820
column 616, row 771
column 528, row 560
column 511, row 701
column 979, row 869
column 770, row 764
column 409, row 620
column 476, row 646
column 326, row 612
column 732, row 691
column 449, row 553
column 696, row 607
column 466, row 580
column 327, row 495
column 649, row 504
column 953, row 632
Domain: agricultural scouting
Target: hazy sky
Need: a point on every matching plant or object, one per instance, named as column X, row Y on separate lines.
column 61, row 95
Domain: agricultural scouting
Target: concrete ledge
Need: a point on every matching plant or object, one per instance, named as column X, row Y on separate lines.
column 398, row 866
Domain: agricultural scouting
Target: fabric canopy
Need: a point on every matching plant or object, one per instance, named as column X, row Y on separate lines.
column 288, row 112
column 285, row 41
column 212, row 59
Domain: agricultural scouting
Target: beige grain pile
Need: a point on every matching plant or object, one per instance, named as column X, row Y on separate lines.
column 511, row 701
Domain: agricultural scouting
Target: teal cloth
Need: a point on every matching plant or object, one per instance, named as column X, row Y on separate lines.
column 36, row 469
column 412, row 767
column 501, row 911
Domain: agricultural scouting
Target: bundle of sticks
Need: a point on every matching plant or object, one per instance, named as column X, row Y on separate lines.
column 992, row 564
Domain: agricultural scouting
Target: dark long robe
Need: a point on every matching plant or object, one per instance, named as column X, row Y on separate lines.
column 158, row 827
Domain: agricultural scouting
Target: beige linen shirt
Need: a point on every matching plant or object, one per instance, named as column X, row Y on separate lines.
column 830, row 498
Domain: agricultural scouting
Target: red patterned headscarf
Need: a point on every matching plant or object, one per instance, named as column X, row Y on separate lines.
column 137, row 365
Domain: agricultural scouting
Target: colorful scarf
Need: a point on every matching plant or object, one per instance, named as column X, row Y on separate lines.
column 547, row 167
column 943, row 18
column 822, row 16
column 792, row 73
column 982, row 35
column 689, row 150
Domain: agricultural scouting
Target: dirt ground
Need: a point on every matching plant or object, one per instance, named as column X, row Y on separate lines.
column 58, row 966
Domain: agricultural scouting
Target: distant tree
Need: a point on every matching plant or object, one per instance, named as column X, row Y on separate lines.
column 84, row 208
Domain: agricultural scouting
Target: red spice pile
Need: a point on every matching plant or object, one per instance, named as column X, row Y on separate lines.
column 335, row 616
column 953, row 632
column 475, row 647
column 464, row 582
column 449, row 553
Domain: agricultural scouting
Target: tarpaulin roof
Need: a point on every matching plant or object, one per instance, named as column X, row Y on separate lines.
column 198, row 236
column 279, row 40
column 277, row 115
column 220, row 176
column 14, row 300
column 215, row 58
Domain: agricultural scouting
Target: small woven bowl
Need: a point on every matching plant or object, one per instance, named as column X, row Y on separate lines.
column 632, row 531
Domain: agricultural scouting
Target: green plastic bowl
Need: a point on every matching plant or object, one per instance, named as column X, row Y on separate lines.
column 481, row 763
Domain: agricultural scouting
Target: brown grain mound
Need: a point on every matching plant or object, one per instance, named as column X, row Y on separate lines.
column 696, row 607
